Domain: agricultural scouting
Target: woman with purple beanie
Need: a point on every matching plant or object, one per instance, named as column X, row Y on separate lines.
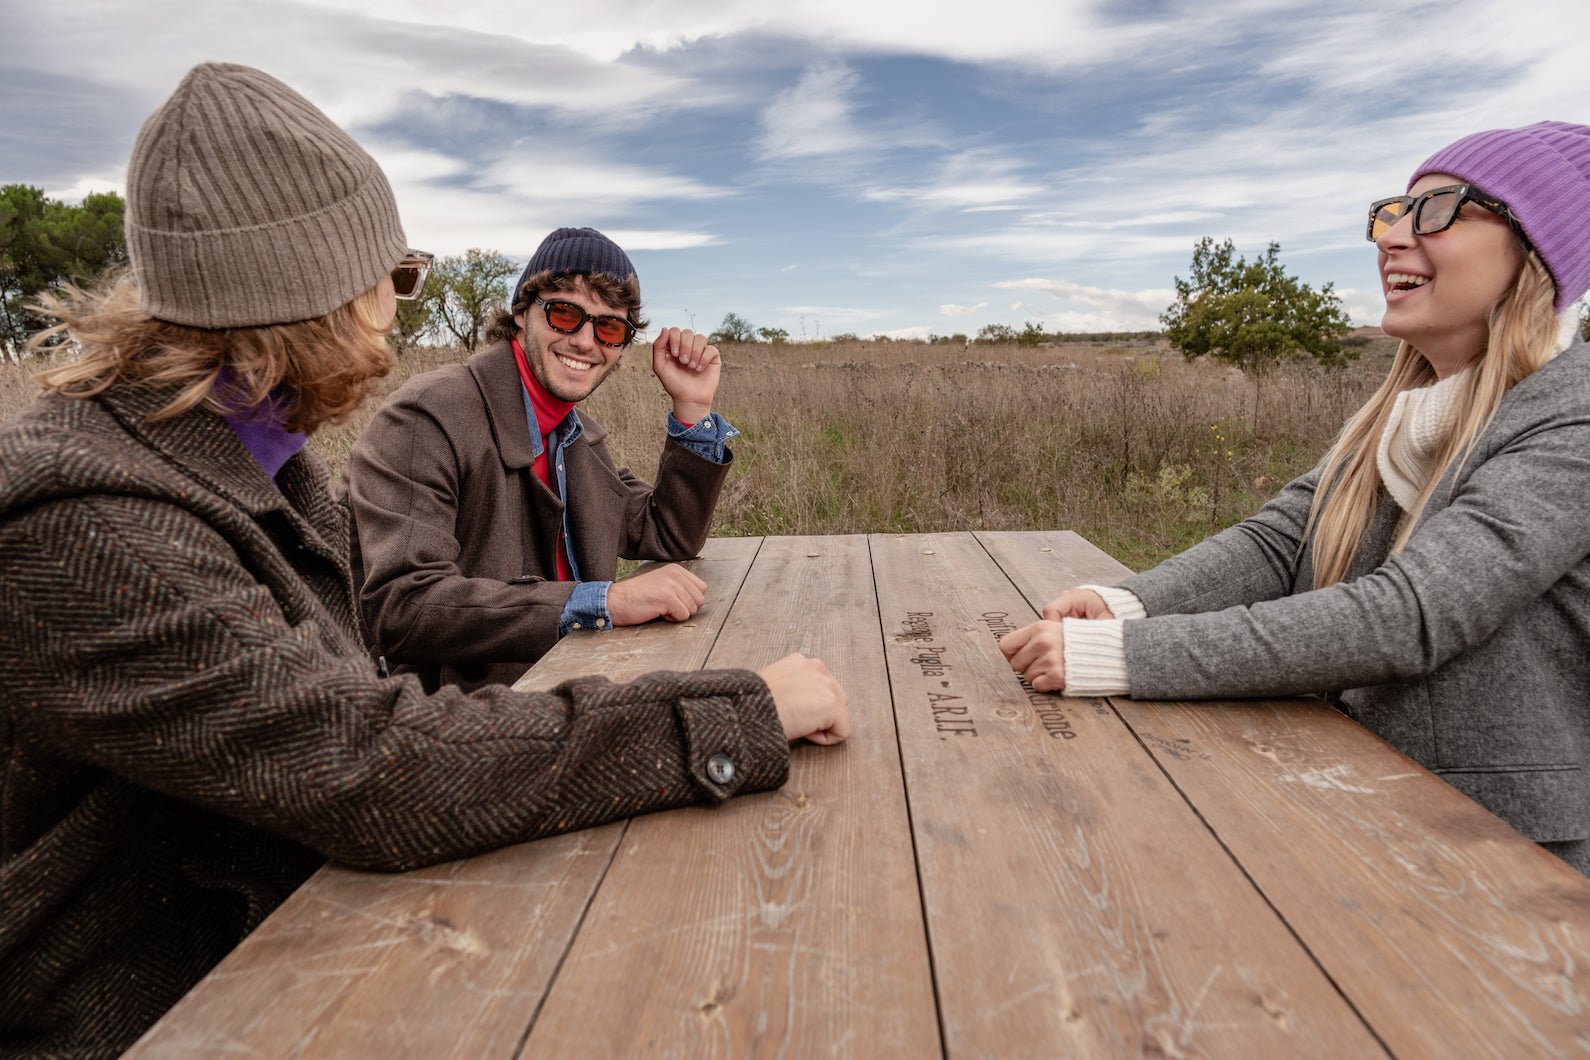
column 1432, row 574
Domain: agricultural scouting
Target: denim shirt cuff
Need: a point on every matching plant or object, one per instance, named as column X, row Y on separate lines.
column 586, row 608
column 707, row 439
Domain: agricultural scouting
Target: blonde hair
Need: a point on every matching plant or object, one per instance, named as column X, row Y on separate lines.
column 319, row 371
column 1522, row 334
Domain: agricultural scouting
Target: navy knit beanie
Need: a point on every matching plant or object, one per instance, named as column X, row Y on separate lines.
column 577, row 251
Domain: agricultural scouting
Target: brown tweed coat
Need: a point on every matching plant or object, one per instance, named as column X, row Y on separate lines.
column 190, row 724
column 454, row 534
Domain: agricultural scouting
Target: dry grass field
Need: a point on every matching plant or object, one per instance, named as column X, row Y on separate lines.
column 1128, row 444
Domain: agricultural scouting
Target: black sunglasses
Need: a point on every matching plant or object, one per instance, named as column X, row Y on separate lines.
column 1434, row 211
column 408, row 276
column 610, row 331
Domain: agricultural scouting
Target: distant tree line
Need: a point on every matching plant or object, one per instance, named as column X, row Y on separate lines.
column 1250, row 314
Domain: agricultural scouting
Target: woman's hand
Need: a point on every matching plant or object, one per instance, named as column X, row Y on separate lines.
column 1077, row 603
column 1037, row 653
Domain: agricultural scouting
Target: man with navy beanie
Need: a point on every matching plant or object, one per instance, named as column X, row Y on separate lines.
column 488, row 516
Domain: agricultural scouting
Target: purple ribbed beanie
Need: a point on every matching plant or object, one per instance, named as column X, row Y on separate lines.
column 1542, row 173
column 578, row 251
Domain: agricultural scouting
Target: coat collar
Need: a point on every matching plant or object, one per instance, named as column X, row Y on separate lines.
column 198, row 442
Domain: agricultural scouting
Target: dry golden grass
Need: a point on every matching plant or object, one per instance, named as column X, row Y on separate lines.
column 1126, row 443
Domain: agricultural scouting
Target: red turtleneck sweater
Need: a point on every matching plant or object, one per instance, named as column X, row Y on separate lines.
column 550, row 411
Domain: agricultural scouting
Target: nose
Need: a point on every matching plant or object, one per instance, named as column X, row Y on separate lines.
column 584, row 336
column 1398, row 236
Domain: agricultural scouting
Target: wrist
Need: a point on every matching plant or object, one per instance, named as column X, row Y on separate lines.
column 691, row 413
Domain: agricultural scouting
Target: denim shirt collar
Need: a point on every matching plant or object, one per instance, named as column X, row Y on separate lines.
column 566, row 432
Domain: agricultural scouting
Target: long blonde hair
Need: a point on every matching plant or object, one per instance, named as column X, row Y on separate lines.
column 319, row 371
column 1522, row 334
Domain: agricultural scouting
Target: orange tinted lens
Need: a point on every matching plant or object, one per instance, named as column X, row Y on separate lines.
column 1384, row 218
column 614, row 331
column 565, row 316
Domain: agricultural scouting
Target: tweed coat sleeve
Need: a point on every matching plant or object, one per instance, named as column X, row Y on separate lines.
column 139, row 642
column 1500, row 531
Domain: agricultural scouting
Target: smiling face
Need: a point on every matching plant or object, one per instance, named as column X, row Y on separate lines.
column 1440, row 288
column 568, row 367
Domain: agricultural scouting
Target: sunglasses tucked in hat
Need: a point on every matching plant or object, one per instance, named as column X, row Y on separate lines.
column 1542, row 173
column 247, row 206
column 577, row 252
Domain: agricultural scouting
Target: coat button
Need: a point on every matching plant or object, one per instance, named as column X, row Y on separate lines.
column 720, row 769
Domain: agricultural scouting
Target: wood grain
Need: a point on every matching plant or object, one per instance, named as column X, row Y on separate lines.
column 1076, row 905
column 446, row 961
column 779, row 924
column 1449, row 931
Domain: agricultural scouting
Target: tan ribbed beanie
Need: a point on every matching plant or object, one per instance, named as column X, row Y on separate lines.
column 247, row 206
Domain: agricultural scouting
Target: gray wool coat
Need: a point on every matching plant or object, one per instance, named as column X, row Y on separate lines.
column 454, row 535
column 1469, row 650
column 190, row 722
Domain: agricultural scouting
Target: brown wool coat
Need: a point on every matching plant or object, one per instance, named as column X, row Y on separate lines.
column 454, row 534
column 190, row 724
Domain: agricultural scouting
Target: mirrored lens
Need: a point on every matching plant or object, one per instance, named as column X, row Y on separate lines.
column 1385, row 214
column 1437, row 210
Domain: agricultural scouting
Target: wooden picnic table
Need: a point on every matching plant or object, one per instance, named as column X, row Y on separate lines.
column 981, row 871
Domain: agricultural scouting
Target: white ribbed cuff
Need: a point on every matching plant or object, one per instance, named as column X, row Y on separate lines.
column 1123, row 602
column 1095, row 656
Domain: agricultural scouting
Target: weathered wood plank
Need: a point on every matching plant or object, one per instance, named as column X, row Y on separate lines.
column 1450, row 932
column 780, row 924
column 1076, row 906
column 446, row 961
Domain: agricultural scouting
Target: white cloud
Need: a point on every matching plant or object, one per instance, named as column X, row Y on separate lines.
column 914, row 331
column 813, row 117
column 660, row 239
column 950, row 309
column 1363, row 307
column 1108, row 310
column 974, row 181
column 1042, row 33
column 589, row 184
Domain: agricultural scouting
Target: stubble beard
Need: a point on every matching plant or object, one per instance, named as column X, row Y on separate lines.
column 538, row 355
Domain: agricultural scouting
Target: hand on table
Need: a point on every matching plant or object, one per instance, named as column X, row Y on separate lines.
column 1077, row 603
column 1037, row 652
column 809, row 701
column 669, row 592
column 688, row 366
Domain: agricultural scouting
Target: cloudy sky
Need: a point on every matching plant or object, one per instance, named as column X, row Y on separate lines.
column 837, row 166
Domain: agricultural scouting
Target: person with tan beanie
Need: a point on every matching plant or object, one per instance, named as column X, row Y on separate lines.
column 190, row 722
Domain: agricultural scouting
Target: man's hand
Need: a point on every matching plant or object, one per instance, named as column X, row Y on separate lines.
column 1077, row 603
column 809, row 701
column 669, row 592
column 687, row 365
column 1037, row 653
